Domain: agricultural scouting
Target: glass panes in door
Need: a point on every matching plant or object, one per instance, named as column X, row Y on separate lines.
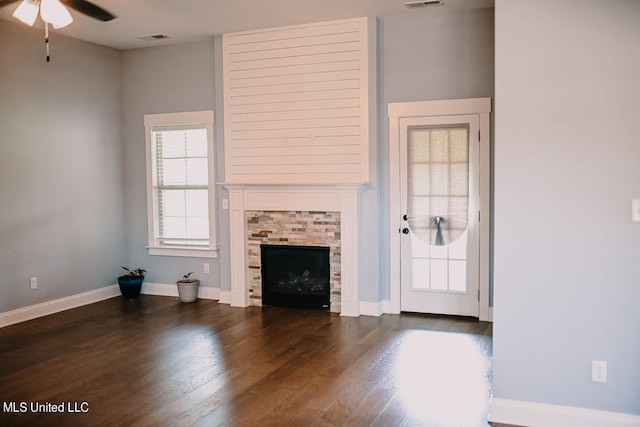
column 438, row 206
column 439, row 268
column 438, row 182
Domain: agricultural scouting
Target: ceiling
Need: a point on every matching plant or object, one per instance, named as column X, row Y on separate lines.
column 191, row 20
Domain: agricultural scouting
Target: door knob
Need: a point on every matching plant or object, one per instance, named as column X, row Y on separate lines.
column 405, row 230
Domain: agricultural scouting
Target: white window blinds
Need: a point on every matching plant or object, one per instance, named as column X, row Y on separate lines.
column 181, row 185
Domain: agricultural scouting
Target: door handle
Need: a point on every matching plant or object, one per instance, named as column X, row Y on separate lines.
column 405, row 230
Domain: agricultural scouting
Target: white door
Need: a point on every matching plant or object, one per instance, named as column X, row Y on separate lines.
column 439, row 197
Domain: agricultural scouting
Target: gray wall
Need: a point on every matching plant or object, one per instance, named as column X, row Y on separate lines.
column 430, row 55
column 567, row 157
column 162, row 80
column 61, row 187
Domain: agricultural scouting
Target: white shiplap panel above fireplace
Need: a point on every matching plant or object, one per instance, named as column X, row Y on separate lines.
column 296, row 103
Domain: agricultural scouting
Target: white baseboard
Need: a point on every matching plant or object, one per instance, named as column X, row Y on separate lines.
column 371, row 308
column 224, row 297
column 161, row 289
column 533, row 414
column 388, row 307
column 376, row 308
column 54, row 306
column 209, row 293
column 171, row 290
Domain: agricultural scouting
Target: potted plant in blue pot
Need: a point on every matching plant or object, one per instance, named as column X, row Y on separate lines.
column 131, row 282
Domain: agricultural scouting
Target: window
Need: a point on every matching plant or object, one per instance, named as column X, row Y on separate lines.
column 180, row 184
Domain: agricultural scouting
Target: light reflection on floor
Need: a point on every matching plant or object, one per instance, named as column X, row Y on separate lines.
column 199, row 362
column 442, row 378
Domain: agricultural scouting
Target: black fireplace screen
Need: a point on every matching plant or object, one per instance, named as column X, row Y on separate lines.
column 295, row 276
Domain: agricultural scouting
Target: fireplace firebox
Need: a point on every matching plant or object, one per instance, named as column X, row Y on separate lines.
column 295, row 276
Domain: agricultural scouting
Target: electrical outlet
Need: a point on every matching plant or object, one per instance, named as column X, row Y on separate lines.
column 33, row 283
column 635, row 210
column 205, row 268
column 598, row 371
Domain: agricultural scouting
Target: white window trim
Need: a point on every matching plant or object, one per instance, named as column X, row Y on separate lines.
column 172, row 119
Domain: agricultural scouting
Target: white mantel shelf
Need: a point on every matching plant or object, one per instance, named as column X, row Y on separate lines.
column 343, row 198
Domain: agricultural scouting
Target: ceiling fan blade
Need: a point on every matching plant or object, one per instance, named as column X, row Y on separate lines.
column 88, row 9
column 7, row 2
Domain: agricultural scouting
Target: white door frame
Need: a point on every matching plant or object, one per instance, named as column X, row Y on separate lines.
column 453, row 107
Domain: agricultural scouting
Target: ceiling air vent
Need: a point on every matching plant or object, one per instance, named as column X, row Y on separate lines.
column 415, row 4
column 153, row 37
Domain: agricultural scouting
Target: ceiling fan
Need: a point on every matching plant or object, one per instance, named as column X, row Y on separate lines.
column 54, row 12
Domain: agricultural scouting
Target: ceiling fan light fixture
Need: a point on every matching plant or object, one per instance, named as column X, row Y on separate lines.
column 53, row 12
column 27, row 12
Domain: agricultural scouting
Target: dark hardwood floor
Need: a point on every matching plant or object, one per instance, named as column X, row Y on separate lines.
column 156, row 362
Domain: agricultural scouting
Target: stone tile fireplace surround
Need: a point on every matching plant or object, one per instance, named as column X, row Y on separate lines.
column 323, row 215
column 296, row 228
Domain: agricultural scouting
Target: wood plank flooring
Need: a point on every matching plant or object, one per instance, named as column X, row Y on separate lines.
column 156, row 362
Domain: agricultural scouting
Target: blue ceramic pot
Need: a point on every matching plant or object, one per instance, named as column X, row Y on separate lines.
column 130, row 288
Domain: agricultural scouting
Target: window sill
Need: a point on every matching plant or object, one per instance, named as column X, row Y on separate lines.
column 183, row 252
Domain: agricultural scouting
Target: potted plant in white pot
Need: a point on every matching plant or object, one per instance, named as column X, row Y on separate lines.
column 131, row 282
column 188, row 288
